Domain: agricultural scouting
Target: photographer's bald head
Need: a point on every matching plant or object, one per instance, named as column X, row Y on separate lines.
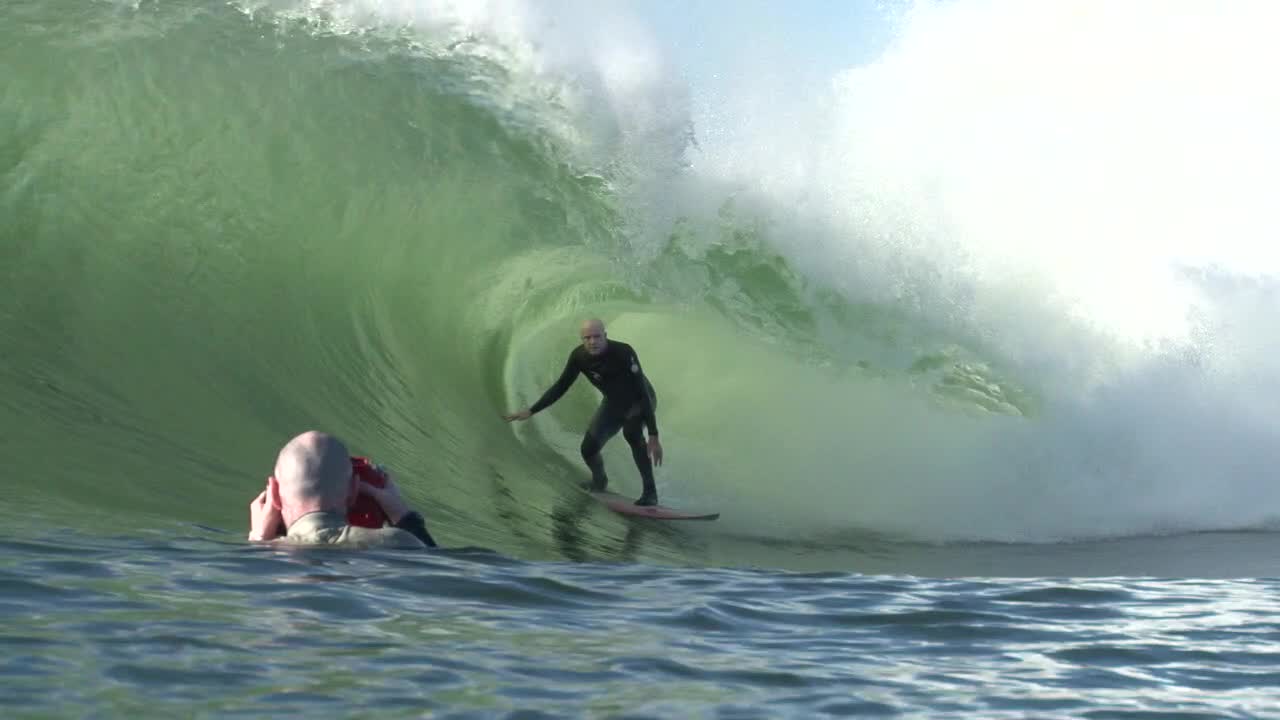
column 313, row 472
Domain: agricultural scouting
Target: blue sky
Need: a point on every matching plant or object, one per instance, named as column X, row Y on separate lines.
column 797, row 42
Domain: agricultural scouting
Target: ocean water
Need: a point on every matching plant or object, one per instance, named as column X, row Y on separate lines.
column 961, row 314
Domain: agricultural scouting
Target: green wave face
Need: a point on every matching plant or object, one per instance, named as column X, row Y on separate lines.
column 221, row 225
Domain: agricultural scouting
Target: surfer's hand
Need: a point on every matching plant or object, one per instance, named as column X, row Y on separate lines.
column 518, row 415
column 264, row 518
column 388, row 497
column 655, row 449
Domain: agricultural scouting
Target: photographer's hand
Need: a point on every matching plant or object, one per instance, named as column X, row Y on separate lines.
column 265, row 521
column 388, row 497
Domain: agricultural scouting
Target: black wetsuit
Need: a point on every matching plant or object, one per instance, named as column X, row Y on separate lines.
column 629, row 404
column 413, row 523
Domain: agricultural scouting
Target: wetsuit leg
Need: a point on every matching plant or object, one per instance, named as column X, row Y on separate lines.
column 633, row 431
column 604, row 425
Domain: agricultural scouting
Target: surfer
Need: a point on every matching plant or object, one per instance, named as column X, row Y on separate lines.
column 308, row 499
column 629, row 404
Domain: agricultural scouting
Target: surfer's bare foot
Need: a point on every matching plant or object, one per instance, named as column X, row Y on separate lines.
column 647, row 499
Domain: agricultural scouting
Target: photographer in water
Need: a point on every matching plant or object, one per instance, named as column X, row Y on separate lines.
column 310, row 497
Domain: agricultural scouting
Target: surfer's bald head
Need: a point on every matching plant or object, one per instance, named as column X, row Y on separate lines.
column 593, row 336
column 315, row 467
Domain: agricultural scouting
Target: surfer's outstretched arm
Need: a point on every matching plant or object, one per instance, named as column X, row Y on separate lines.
column 552, row 394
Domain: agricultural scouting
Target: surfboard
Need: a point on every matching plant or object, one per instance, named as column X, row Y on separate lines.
column 627, row 506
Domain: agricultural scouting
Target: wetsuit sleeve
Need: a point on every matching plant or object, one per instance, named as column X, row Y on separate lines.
column 413, row 523
column 646, row 399
column 554, row 392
